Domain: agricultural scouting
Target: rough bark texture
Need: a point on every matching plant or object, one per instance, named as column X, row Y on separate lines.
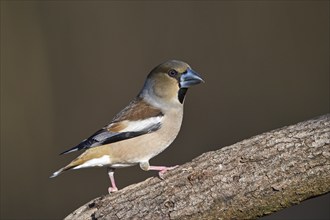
column 246, row 180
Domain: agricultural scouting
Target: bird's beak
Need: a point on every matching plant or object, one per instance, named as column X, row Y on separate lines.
column 190, row 78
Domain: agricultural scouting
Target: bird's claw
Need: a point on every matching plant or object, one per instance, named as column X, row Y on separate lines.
column 161, row 173
column 112, row 189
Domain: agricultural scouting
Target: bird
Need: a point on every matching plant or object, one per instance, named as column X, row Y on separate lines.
column 144, row 128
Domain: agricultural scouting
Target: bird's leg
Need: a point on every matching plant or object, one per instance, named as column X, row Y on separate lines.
column 113, row 187
column 162, row 169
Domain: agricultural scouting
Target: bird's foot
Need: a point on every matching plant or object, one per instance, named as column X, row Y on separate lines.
column 162, row 170
column 112, row 189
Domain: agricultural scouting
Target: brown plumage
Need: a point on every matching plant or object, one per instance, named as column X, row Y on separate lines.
column 138, row 109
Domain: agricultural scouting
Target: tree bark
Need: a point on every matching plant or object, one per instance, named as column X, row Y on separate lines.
column 246, row 180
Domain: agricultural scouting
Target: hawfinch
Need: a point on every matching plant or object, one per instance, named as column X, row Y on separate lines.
column 143, row 129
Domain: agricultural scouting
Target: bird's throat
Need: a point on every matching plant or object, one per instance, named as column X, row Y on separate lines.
column 181, row 94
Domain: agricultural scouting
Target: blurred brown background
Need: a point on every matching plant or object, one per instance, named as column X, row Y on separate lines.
column 68, row 67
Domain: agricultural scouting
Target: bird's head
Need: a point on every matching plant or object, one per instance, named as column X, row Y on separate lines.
column 170, row 80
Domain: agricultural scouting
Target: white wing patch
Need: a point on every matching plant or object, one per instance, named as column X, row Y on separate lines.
column 96, row 162
column 141, row 125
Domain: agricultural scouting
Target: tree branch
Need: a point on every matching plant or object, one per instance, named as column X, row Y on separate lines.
column 246, row 180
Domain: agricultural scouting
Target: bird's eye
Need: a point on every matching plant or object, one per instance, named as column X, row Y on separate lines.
column 172, row 73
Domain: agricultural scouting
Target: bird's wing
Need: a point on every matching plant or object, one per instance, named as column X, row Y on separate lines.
column 136, row 119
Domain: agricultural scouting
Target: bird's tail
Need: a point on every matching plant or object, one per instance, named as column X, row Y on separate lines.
column 70, row 166
column 76, row 162
column 93, row 158
column 55, row 174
